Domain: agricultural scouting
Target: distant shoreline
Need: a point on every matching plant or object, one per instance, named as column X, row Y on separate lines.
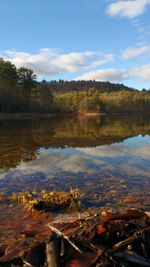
column 49, row 115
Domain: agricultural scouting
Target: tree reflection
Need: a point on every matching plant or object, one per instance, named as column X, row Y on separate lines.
column 20, row 140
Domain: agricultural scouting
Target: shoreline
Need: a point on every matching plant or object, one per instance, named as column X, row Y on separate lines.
column 50, row 115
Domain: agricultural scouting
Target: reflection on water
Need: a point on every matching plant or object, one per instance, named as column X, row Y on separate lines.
column 107, row 156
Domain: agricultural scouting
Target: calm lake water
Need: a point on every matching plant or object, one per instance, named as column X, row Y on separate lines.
column 107, row 158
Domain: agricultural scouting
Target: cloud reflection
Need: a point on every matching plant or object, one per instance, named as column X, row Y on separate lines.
column 123, row 159
column 111, row 151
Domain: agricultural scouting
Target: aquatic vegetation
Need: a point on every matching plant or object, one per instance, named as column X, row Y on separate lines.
column 61, row 199
column 46, row 200
column 23, row 197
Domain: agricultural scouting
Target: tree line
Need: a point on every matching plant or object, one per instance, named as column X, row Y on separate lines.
column 20, row 92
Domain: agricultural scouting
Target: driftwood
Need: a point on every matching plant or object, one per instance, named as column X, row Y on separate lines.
column 130, row 239
column 52, row 255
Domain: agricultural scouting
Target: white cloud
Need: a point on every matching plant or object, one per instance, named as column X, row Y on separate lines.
column 142, row 73
column 113, row 75
column 51, row 62
column 48, row 62
column 136, row 51
column 127, row 8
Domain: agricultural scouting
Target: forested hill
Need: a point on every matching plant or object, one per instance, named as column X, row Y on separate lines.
column 62, row 86
column 20, row 92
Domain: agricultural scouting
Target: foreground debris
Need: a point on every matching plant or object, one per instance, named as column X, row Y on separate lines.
column 92, row 238
column 109, row 240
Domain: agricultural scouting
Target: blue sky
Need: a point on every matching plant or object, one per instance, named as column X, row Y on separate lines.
column 79, row 39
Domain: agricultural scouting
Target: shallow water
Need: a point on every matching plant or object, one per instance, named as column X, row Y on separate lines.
column 107, row 158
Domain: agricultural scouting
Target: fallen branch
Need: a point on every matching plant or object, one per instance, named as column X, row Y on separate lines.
column 130, row 239
column 61, row 234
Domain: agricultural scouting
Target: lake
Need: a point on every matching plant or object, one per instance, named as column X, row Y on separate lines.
column 107, row 158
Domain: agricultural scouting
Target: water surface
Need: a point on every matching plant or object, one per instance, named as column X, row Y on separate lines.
column 107, row 158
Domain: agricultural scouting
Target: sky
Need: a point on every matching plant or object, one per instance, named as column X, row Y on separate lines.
column 103, row 40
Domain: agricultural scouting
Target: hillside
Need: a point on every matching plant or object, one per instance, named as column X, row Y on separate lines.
column 76, row 86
